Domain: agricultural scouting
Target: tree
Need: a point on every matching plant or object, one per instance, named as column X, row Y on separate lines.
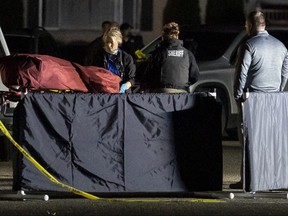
column 225, row 12
column 182, row 11
column 11, row 14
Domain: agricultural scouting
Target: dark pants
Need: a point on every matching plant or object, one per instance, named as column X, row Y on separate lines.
column 240, row 133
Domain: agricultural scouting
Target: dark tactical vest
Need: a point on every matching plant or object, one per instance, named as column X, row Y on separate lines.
column 175, row 68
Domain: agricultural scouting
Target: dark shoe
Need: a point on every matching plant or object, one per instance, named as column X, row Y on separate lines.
column 237, row 185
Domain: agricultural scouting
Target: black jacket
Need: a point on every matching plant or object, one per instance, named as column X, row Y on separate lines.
column 126, row 62
column 171, row 66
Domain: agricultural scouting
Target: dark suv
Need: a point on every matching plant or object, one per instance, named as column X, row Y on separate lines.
column 215, row 49
column 36, row 41
column 28, row 41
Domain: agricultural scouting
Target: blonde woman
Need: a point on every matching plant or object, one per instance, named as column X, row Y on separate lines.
column 116, row 60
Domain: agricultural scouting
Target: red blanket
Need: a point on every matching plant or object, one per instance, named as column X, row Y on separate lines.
column 42, row 72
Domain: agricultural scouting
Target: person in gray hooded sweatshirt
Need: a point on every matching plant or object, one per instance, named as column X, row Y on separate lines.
column 262, row 65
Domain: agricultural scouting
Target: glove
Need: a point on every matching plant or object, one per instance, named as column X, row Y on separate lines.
column 123, row 88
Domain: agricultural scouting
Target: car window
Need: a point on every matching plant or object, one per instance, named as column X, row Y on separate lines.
column 18, row 44
column 208, row 46
column 2, row 52
column 47, row 46
column 282, row 35
column 149, row 48
column 32, row 41
column 205, row 45
column 3, row 45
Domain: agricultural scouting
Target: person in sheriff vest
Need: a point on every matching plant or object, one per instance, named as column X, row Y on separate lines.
column 171, row 67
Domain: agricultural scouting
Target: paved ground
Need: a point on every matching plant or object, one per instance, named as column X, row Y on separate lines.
column 194, row 203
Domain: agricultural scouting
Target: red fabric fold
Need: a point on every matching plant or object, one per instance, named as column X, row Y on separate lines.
column 42, row 72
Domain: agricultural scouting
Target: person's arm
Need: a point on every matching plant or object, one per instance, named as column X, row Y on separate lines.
column 241, row 71
column 129, row 70
column 193, row 69
column 284, row 74
column 125, row 86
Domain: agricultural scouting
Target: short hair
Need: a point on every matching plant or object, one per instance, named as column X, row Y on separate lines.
column 114, row 24
column 125, row 26
column 256, row 19
column 106, row 25
column 114, row 34
column 170, row 31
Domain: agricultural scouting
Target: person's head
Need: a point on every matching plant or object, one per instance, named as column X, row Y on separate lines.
column 255, row 22
column 170, row 31
column 112, row 39
column 125, row 29
column 106, row 25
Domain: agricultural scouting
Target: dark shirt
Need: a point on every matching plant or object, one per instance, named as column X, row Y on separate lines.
column 94, row 47
column 121, row 64
column 133, row 44
column 172, row 66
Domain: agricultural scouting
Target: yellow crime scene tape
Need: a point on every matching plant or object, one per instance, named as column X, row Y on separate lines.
column 41, row 168
column 83, row 193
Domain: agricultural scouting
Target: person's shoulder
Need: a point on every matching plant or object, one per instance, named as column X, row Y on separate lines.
column 96, row 43
column 190, row 54
column 125, row 55
column 96, row 40
column 188, row 51
column 275, row 40
column 254, row 41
